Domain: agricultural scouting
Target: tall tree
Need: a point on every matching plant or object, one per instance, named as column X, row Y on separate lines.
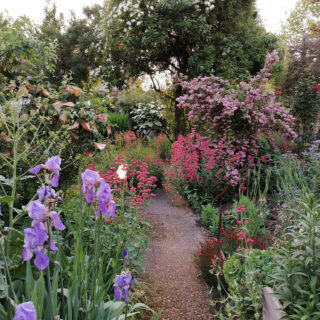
column 190, row 37
column 78, row 43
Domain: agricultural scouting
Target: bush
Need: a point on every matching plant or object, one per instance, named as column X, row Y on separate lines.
column 297, row 273
column 210, row 218
column 147, row 119
column 118, row 121
column 246, row 274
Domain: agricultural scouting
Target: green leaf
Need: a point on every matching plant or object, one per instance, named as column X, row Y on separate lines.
column 7, row 199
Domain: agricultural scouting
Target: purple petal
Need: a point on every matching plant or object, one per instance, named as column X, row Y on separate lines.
column 126, row 294
column 36, row 169
column 44, row 192
column 53, row 246
column 37, row 210
column 125, row 254
column 41, row 261
column 53, row 163
column 26, row 254
column 55, row 179
column 111, row 209
column 117, row 293
column 90, row 196
column 57, row 221
column 102, row 208
column 25, row 311
column 104, row 192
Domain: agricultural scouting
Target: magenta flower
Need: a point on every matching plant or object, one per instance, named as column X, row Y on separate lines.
column 25, row 311
column 89, row 180
column 122, row 285
column 104, row 196
column 51, row 166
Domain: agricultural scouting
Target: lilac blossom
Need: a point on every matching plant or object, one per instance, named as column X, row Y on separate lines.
column 51, row 166
column 25, row 311
column 122, row 285
column 104, row 196
column 89, row 180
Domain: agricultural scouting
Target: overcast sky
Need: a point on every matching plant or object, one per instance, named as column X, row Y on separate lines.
column 271, row 11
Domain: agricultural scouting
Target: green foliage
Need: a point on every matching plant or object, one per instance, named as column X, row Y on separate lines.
column 79, row 45
column 147, row 119
column 210, row 218
column 118, row 121
column 305, row 104
column 297, row 269
column 246, row 274
column 22, row 53
column 198, row 37
column 255, row 214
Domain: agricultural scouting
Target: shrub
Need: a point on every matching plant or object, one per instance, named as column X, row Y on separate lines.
column 147, row 119
column 246, row 274
column 210, row 217
column 118, row 121
column 209, row 259
column 297, row 273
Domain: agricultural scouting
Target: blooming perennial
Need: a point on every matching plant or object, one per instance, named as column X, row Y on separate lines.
column 122, row 284
column 90, row 179
column 44, row 217
column 25, row 311
column 51, row 169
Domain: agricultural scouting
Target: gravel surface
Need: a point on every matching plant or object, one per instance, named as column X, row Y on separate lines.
column 177, row 288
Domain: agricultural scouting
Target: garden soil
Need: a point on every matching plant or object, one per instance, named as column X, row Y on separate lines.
column 176, row 287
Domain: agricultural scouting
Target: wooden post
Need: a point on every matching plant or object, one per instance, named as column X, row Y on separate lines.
column 271, row 305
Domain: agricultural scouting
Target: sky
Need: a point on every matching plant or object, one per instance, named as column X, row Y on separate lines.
column 272, row 12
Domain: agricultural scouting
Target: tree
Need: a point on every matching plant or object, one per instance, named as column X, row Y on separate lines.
column 79, row 44
column 300, row 35
column 192, row 37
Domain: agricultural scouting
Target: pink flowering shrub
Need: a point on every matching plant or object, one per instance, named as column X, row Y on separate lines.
column 241, row 113
column 235, row 118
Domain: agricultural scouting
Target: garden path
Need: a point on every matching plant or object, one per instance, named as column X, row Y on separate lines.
column 170, row 270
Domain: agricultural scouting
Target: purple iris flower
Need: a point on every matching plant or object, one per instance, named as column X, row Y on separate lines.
column 104, row 196
column 89, row 180
column 25, row 311
column 38, row 212
column 57, row 221
column 111, row 209
column 47, row 192
column 52, row 165
column 125, row 256
column 122, row 285
column 35, row 239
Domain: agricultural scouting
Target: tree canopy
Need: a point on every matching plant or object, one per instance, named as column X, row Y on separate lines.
column 192, row 37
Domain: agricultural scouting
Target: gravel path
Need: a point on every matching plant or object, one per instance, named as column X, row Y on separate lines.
column 170, row 269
